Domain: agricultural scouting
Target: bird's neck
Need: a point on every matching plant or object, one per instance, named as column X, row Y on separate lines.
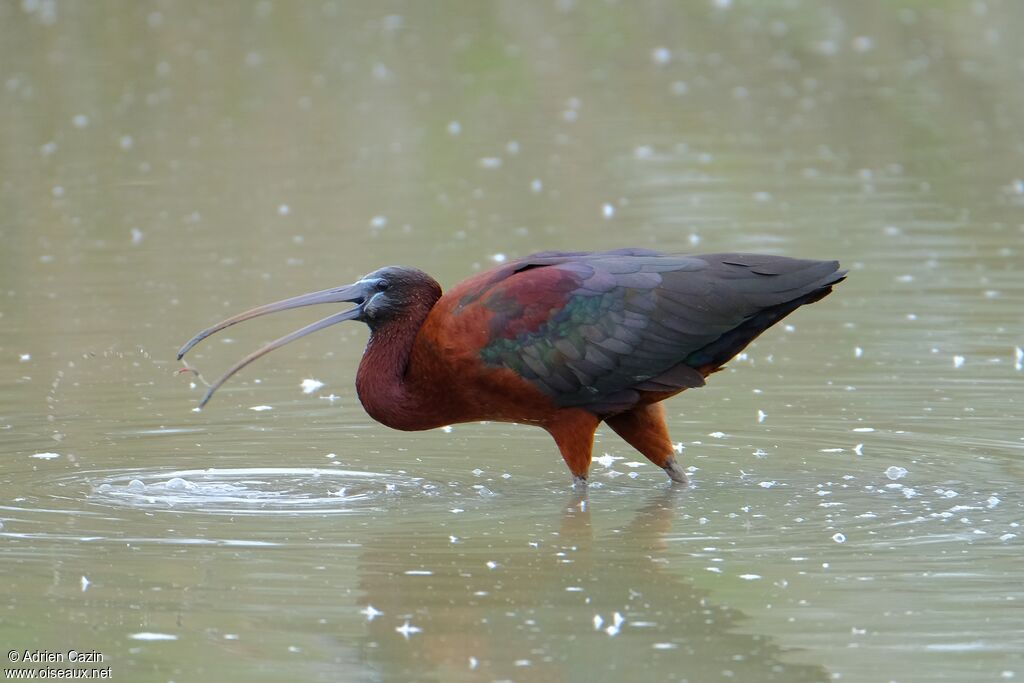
column 390, row 381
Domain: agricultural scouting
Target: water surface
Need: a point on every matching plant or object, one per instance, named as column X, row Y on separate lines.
column 856, row 509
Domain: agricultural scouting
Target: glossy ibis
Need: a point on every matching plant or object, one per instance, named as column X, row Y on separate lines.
column 561, row 340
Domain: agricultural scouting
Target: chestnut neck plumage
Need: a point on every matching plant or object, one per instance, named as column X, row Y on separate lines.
column 389, row 387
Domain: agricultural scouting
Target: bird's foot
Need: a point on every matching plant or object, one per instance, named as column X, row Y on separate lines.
column 675, row 472
column 579, row 483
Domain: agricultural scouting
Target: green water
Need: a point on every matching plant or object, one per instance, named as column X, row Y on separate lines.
column 856, row 509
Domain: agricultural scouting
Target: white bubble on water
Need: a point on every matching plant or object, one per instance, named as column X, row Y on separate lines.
column 454, row 128
column 894, row 472
column 661, row 55
column 408, row 629
column 607, row 210
column 839, row 537
column 311, row 385
column 958, row 361
column 146, row 635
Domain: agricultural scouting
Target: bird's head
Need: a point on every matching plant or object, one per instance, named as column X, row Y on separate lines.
column 386, row 295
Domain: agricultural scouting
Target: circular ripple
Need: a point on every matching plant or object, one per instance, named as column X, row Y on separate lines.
column 258, row 490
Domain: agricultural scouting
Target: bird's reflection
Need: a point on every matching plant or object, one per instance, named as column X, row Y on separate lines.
column 578, row 596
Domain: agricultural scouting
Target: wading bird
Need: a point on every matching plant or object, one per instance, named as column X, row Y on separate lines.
column 561, row 340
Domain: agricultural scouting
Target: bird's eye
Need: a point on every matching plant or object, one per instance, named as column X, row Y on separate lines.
column 383, row 285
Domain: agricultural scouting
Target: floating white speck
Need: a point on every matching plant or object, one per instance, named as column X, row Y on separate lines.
column 768, row 484
column 661, row 55
column 447, row 429
column 408, row 629
column 146, row 635
column 490, row 162
column 536, row 185
column 607, row 210
column 330, row 397
column 85, row 583
column 992, row 501
column 46, row 456
column 863, row 429
column 454, row 128
column 606, row 460
column 283, row 209
column 126, row 142
column 1007, row 537
column 80, row 121
column 618, row 619
column 894, row 472
column 859, row 449
column 598, row 622
column 371, row 612
column 1018, row 358
column 863, row 44
column 664, row 646
column 473, row 663
column 761, row 415
column 839, row 537
column 750, row 577
column 857, row 352
column 491, row 564
column 499, row 258
column 419, row 572
column 717, row 435
column 137, row 236
column 260, row 409
column 678, row 447
column 25, row 357
column 378, row 222
column 830, row 450
column 311, row 385
column 958, row 361
column 722, row 4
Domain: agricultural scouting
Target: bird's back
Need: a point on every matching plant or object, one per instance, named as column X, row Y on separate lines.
column 608, row 330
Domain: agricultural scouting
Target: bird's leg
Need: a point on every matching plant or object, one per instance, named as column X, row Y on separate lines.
column 573, row 431
column 644, row 429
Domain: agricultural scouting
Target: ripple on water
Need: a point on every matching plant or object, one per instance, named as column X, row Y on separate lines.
column 256, row 491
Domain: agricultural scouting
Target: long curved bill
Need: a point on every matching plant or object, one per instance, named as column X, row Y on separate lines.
column 355, row 293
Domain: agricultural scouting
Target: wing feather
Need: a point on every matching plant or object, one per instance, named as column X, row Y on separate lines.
column 597, row 329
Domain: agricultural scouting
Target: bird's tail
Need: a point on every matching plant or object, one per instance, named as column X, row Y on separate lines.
column 804, row 283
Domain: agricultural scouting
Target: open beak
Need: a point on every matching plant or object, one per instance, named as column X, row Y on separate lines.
column 357, row 293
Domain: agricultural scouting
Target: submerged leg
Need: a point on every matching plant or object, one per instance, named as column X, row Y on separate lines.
column 644, row 429
column 573, row 431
